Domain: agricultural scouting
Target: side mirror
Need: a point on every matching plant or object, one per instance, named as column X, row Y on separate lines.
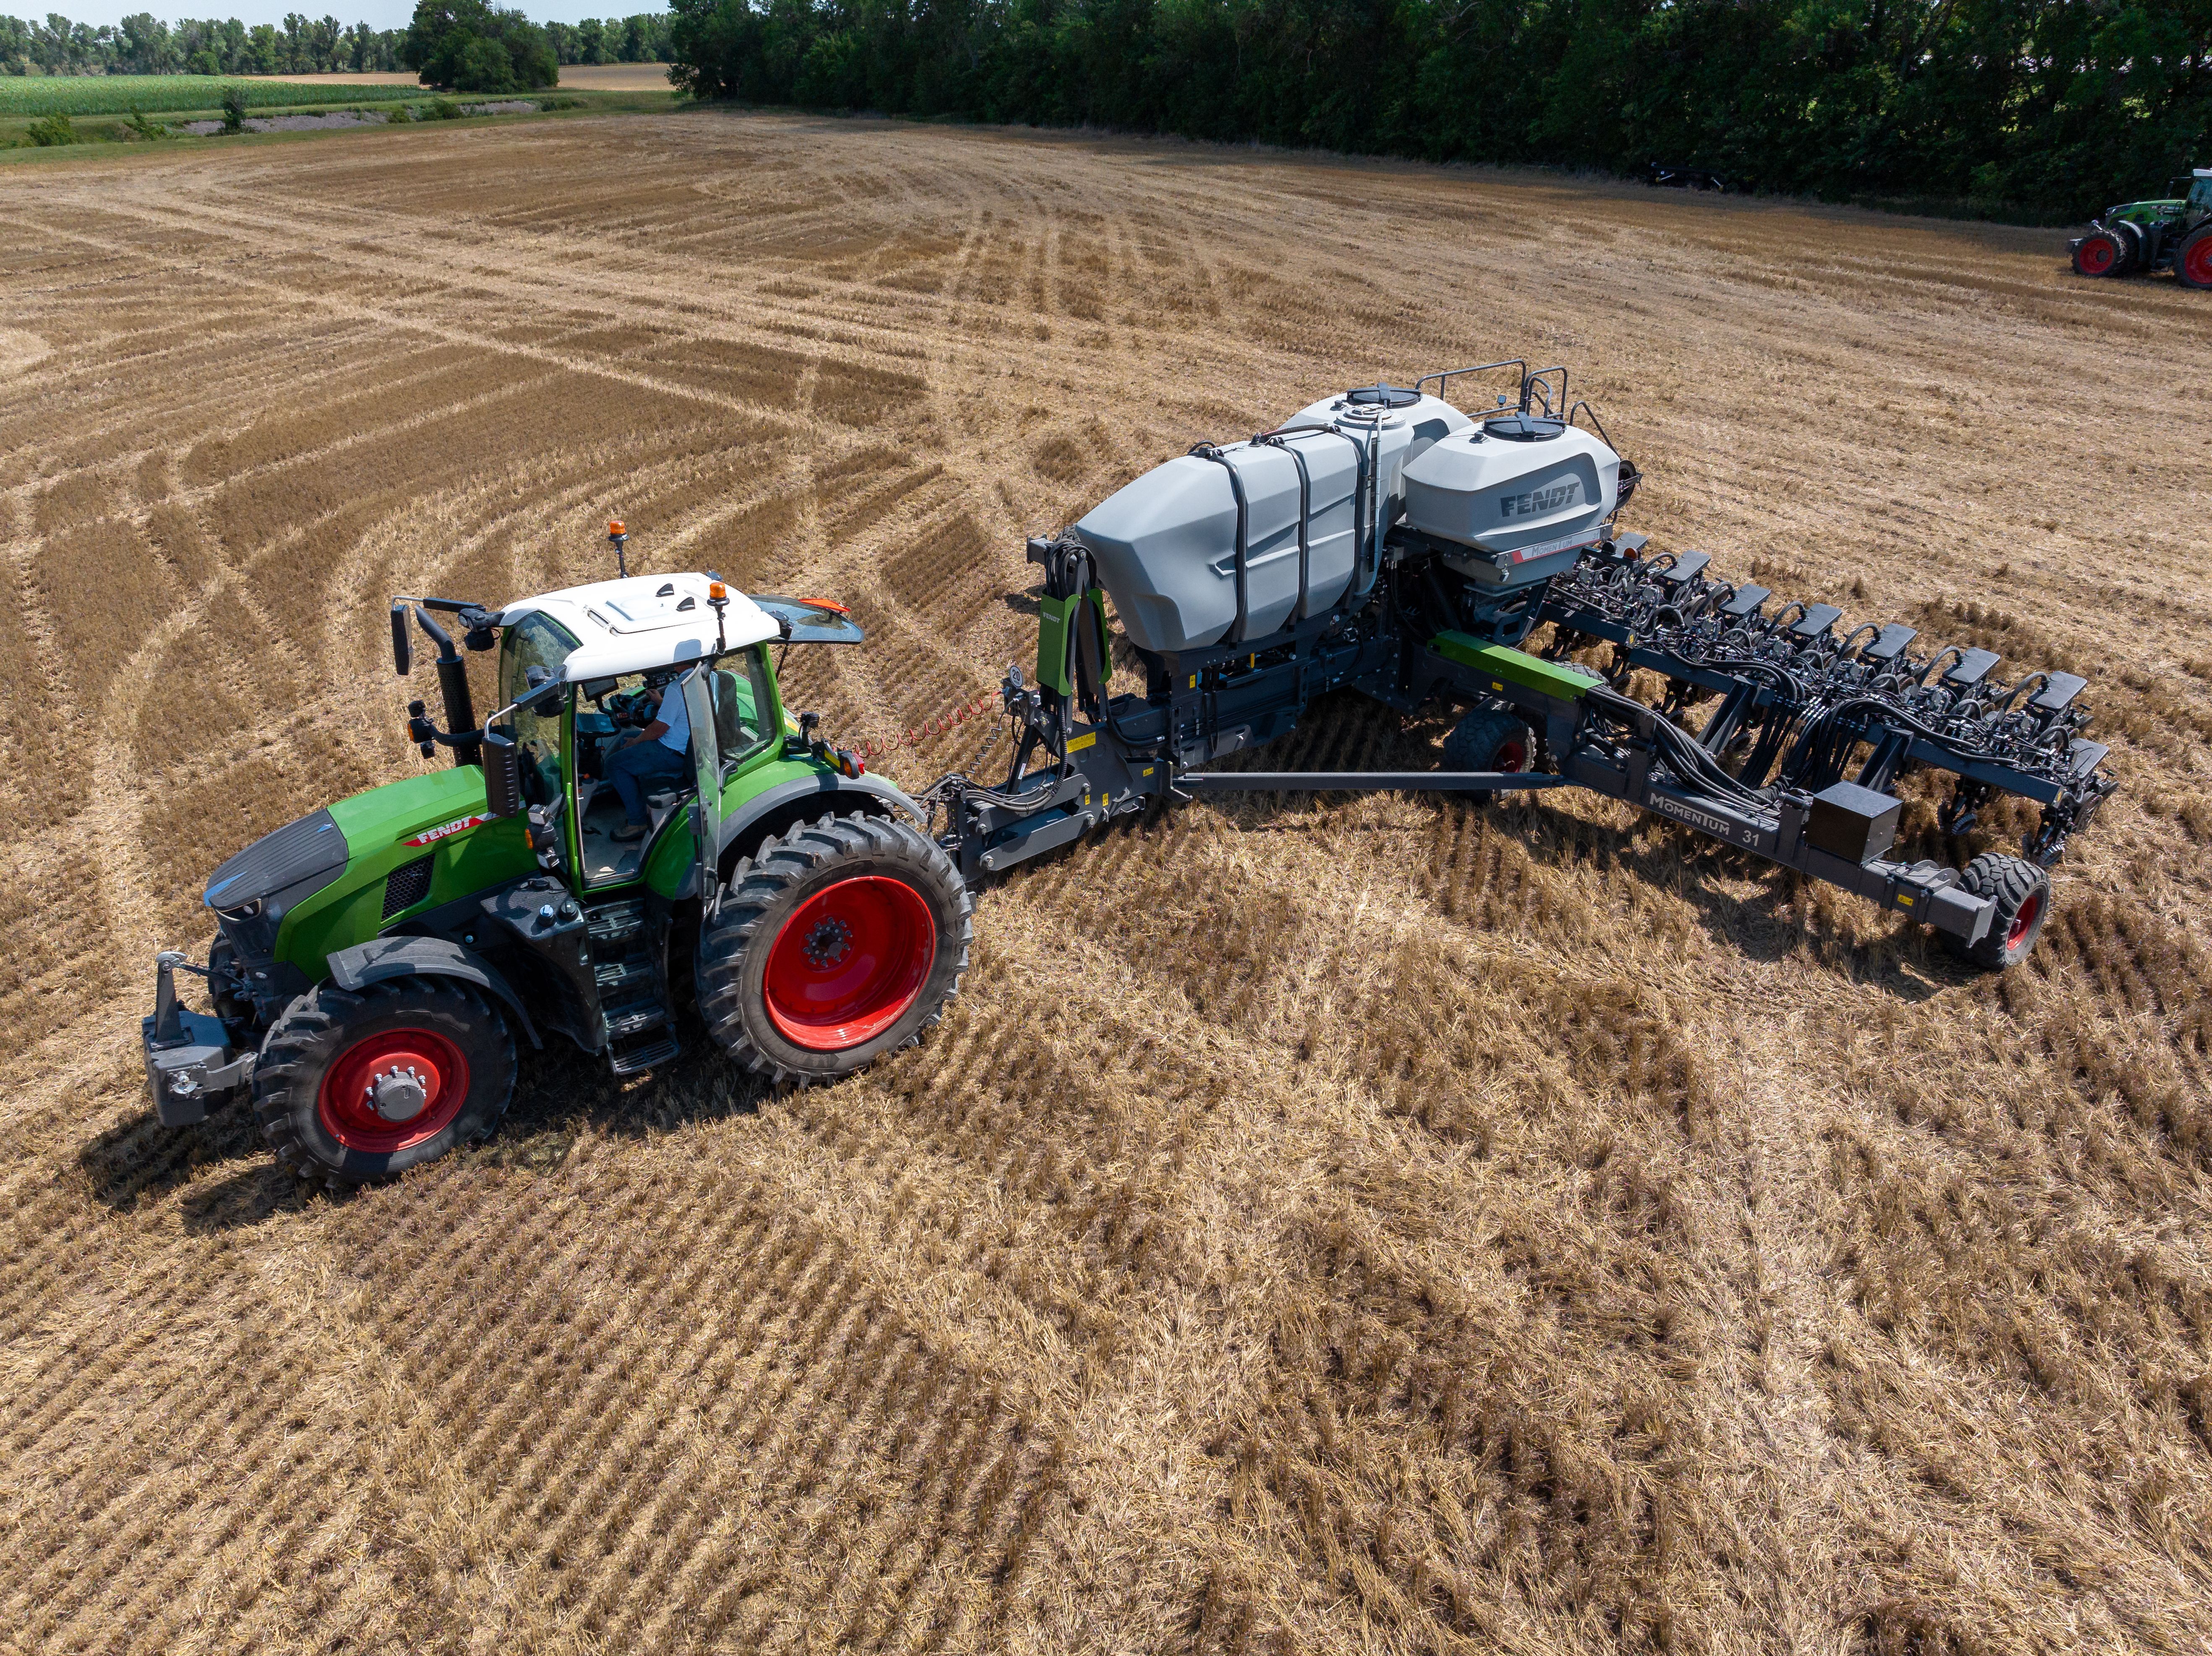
column 543, row 690
column 502, row 769
column 403, row 652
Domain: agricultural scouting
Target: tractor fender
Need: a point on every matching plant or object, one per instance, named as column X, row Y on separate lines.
column 774, row 810
column 381, row 958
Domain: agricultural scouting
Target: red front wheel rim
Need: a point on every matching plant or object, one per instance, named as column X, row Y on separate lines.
column 2097, row 257
column 1511, row 757
column 2197, row 259
column 416, row 1075
column 849, row 962
column 2024, row 922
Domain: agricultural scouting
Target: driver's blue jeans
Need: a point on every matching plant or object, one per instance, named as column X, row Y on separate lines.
column 638, row 767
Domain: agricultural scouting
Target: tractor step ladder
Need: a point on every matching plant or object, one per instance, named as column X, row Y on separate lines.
column 638, row 1032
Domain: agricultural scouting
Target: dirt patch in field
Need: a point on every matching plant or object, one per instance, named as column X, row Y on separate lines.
column 585, row 77
column 336, row 117
column 1337, row 1225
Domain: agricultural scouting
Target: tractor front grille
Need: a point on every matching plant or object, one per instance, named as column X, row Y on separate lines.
column 406, row 886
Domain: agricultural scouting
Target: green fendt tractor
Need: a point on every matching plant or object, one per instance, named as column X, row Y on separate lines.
column 378, row 961
column 2152, row 235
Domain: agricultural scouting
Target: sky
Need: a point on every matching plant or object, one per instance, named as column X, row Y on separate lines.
column 377, row 14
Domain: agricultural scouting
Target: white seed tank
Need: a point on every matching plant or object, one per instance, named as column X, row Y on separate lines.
column 1519, row 484
column 1166, row 544
column 1520, row 492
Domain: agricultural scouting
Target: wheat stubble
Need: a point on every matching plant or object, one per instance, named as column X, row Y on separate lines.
column 1321, row 1225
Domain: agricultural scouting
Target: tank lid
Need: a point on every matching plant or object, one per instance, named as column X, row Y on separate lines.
column 1518, row 427
column 1382, row 396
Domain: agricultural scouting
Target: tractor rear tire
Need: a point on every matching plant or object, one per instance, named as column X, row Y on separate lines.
column 2022, row 890
column 836, row 943
column 1487, row 740
column 2102, row 253
column 355, row 1086
column 2192, row 260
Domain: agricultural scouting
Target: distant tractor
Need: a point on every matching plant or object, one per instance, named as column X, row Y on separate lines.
column 2152, row 235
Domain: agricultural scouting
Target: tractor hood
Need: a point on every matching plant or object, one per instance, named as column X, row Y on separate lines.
column 347, row 874
column 290, row 856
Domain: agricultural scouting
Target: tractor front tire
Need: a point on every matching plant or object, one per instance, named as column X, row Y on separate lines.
column 2102, row 253
column 1487, row 740
column 2022, row 891
column 835, row 944
column 2192, row 260
column 356, row 1087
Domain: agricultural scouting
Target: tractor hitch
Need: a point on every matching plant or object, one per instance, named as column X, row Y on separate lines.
column 189, row 1061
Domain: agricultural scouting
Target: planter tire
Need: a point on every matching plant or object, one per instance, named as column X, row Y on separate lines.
column 2022, row 891
column 1486, row 740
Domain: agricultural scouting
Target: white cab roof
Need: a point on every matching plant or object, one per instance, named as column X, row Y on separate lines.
column 643, row 623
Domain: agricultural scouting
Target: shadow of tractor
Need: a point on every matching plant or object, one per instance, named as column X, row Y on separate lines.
column 560, row 1094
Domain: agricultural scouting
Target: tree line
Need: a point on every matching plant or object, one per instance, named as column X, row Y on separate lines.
column 2039, row 109
column 144, row 44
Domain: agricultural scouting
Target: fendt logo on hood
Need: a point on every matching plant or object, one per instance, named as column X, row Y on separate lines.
column 446, row 830
column 1537, row 502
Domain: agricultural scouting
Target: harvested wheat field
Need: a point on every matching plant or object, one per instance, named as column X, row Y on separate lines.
column 1328, row 1224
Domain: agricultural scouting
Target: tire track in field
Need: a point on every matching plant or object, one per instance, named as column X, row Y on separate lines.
column 1321, row 1225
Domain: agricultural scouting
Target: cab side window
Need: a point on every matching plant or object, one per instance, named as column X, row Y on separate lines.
column 745, row 708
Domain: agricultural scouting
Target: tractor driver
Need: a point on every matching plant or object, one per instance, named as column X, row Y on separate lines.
column 654, row 756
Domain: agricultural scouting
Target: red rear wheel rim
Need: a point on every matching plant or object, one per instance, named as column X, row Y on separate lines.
column 1512, row 755
column 2024, row 922
column 2098, row 256
column 2196, row 260
column 395, row 1062
column 849, row 962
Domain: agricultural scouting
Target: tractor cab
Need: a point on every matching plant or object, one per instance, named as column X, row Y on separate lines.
column 665, row 696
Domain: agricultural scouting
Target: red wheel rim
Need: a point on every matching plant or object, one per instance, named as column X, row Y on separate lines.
column 2197, row 261
column 1510, row 756
column 848, row 964
column 394, row 1064
column 2024, row 922
column 2099, row 255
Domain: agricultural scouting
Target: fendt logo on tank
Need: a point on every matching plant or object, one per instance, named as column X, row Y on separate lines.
column 447, row 830
column 1537, row 502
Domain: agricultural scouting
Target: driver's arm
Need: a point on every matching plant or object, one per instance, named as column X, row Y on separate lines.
column 658, row 727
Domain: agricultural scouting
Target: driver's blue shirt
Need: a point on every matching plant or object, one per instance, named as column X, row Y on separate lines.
column 677, row 736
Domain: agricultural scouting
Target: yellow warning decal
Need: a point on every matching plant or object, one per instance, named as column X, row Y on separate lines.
column 1905, row 900
column 1082, row 742
column 1194, row 681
